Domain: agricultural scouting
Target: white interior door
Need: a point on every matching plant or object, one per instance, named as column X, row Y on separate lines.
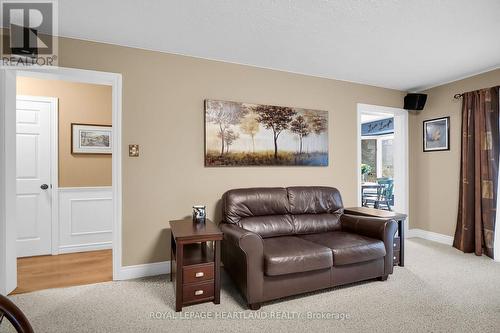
column 33, row 176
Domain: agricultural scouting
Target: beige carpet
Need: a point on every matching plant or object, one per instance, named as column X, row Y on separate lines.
column 439, row 290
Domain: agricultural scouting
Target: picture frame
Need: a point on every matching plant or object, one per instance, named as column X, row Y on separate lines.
column 241, row 134
column 436, row 134
column 91, row 139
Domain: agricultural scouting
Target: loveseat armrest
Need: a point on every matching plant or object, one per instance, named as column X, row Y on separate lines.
column 373, row 227
column 248, row 241
column 243, row 258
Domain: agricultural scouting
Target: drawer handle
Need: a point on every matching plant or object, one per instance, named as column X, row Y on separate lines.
column 199, row 274
column 198, row 292
column 394, row 258
column 394, row 244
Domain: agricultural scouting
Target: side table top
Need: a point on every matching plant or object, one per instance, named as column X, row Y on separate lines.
column 187, row 229
column 365, row 211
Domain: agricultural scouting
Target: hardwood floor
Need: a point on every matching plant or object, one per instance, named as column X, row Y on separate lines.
column 64, row 270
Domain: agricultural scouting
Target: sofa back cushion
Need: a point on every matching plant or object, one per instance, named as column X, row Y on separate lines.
column 272, row 212
column 261, row 210
column 315, row 208
column 314, row 200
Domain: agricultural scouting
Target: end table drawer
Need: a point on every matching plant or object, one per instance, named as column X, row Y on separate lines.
column 193, row 292
column 395, row 258
column 396, row 243
column 198, row 273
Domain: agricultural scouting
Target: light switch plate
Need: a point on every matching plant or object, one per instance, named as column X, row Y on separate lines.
column 133, row 150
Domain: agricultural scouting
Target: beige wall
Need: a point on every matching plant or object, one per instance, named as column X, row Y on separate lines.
column 78, row 103
column 434, row 176
column 163, row 98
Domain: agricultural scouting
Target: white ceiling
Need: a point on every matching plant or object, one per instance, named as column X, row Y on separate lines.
column 405, row 45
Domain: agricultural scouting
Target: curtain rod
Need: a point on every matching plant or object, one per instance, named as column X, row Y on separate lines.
column 458, row 96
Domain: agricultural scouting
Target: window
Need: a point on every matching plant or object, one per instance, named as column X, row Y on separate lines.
column 387, row 167
column 369, row 157
column 377, row 152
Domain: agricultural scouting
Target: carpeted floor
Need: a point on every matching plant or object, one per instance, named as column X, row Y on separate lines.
column 440, row 290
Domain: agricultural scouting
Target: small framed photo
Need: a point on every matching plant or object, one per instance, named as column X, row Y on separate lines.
column 91, row 139
column 437, row 134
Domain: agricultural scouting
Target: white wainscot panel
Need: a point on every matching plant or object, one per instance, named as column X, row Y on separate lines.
column 85, row 219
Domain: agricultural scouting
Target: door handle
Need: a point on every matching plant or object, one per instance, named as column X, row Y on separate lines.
column 44, row 186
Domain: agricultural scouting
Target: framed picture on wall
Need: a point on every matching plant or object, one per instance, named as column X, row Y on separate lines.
column 436, row 134
column 244, row 134
column 91, row 139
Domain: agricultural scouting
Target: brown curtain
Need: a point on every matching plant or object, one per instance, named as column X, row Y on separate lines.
column 478, row 172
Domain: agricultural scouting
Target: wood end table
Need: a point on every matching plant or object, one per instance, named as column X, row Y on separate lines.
column 399, row 241
column 195, row 262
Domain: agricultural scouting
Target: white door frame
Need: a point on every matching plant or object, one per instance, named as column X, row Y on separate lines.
column 54, row 163
column 8, row 262
column 400, row 164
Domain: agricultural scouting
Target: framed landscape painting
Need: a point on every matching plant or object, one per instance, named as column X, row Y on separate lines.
column 244, row 134
column 436, row 134
column 91, row 139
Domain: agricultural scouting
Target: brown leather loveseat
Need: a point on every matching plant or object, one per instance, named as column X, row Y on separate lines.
column 286, row 241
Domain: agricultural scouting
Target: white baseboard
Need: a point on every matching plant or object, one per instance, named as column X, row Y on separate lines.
column 429, row 235
column 138, row 271
column 85, row 247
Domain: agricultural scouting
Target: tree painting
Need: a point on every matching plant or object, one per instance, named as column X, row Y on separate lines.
column 244, row 134
column 302, row 128
column 276, row 118
column 250, row 126
column 224, row 115
column 317, row 121
column 231, row 136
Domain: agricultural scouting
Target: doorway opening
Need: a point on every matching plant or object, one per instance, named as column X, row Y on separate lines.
column 383, row 158
column 63, row 183
column 62, row 194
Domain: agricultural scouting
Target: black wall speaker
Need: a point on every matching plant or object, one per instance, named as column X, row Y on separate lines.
column 415, row 101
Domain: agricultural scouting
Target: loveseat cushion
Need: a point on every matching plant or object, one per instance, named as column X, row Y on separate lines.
column 289, row 254
column 247, row 202
column 314, row 200
column 268, row 226
column 348, row 248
